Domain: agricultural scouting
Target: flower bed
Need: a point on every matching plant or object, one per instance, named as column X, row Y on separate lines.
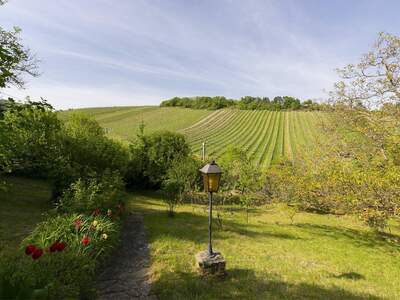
column 59, row 258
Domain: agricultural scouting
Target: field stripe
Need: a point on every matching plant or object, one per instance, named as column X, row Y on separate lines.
column 244, row 134
column 265, row 146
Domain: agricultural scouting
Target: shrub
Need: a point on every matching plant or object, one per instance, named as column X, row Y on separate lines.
column 172, row 190
column 30, row 135
column 89, row 150
column 152, row 155
column 94, row 194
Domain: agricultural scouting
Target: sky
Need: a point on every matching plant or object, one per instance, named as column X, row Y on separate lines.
column 127, row 52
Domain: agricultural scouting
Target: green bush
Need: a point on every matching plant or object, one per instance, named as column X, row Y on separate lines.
column 89, row 150
column 31, row 139
column 152, row 155
column 94, row 194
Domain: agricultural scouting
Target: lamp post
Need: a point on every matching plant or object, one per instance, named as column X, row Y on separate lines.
column 209, row 261
column 211, row 177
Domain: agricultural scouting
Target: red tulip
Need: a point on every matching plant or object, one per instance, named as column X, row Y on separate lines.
column 85, row 241
column 53, row 248
column 30, row 249
column 37, row 253
column 78, row 224
column 60, row 246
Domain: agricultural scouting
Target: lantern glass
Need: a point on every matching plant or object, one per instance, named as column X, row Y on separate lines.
column 211, row 182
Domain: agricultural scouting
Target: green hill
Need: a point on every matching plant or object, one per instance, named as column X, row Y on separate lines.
column 123, row 122
column 267, row 136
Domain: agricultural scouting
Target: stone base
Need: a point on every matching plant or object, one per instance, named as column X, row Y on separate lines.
column 210, row 265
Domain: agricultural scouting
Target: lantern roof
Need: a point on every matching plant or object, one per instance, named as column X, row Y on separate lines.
column 211, row 168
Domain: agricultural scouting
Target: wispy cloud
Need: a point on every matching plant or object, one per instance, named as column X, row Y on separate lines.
column 105, row 52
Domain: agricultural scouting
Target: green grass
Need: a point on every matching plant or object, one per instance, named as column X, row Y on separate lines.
column 21, row 207
column 123, row 122
column 315, row 257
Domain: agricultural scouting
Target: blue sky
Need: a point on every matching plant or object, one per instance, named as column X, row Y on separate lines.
column 128, row 52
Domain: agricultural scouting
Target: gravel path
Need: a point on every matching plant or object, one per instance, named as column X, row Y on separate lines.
column 126, row 275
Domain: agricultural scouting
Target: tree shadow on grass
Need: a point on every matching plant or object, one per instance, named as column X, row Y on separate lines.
column 349, row 275
column 360, row 238
column 243, row 284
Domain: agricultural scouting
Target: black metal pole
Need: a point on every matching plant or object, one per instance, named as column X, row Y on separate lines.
column 210, row 251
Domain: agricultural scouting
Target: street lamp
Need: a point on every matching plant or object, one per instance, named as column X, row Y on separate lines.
column 211, row 178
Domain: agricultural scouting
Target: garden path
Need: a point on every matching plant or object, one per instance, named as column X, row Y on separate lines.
column 126, row 275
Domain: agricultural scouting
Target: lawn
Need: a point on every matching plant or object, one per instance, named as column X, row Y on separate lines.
column 22, row 206
column 315, row 257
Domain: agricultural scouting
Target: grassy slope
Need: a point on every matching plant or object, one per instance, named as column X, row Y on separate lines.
column 123, row 122
column 266, row 136
column 316, row 257
column 21, row 207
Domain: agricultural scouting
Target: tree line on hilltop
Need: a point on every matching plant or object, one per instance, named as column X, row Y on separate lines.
column 246, row 103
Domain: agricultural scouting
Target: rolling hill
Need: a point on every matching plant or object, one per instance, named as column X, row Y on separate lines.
column 267, row 136
column 123, row 122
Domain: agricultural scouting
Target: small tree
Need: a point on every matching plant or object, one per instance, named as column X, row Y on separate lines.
column 181, row 179
column 172, row 190
column 241, row 175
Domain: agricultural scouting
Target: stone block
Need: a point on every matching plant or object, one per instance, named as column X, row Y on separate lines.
column 210, row 265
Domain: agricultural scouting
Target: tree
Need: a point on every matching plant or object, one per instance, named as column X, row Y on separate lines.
column 240, row 175
column 15, row 59
column 181, row 179
column 367, row 102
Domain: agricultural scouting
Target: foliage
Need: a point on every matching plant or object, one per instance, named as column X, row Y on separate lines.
column 247, row 102
column 15, row 59
column 172, row 191
column 181, row 179
column 366, row 103
column 72, row 229
column 97, row 193
column 68, row 260
column 36, row 144
column 240, row 174
column 5, row 104
column 202, row 102
column 152, row 155
column 89, row 150
column 31, row 143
